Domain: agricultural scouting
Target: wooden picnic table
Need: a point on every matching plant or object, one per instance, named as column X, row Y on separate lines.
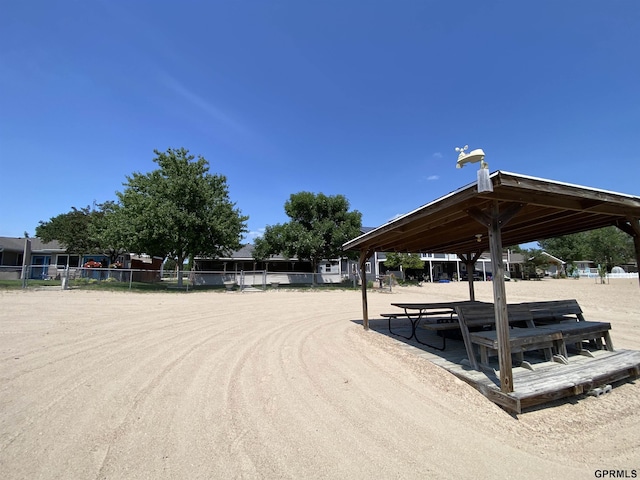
column 437, row 316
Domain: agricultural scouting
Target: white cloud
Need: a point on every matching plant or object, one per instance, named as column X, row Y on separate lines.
column 437, row 155
column 433, row 177
column 199, row 102
column 253, row 234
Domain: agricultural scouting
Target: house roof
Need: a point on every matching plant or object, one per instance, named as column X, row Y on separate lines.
column 516, row 257
column 533, row 209
column 554, row 259
column 246, row 253
column 16, row 244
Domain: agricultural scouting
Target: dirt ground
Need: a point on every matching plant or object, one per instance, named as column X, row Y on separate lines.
column 283, row 384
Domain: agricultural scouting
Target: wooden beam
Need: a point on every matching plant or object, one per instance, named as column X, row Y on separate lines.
column 470, row 260
column 495, row 221
column 508, row 212
column 500, row 302
column 479, row 216
column 632, row 227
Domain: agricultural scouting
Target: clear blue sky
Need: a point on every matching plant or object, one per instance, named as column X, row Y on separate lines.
column 362, row 98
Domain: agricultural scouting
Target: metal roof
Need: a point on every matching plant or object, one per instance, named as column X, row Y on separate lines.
column 16, row 244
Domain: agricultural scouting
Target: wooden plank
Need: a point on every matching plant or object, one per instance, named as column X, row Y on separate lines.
column 617, row 365
column 551, row 381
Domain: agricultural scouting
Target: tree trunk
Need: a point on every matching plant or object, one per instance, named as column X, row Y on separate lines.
column 314, row 270
column 180, row 266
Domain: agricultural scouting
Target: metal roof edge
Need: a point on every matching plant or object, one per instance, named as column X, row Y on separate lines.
column 402, row 217
column 566, row 184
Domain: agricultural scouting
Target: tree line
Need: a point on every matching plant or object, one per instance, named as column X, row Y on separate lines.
column 606, row 247
column 180, row 211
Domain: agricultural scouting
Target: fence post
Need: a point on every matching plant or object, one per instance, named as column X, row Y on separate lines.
column 64, row 278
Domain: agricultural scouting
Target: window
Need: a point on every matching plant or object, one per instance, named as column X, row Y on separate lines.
column 367, row 267
column 70, row 260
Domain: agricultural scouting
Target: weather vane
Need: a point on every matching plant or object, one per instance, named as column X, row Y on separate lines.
column 474, row 156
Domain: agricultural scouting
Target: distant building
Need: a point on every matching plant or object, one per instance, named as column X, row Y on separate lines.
column 556, row 266
column 46, row 260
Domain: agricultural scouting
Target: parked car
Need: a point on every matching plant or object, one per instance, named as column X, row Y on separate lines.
column 477, row 276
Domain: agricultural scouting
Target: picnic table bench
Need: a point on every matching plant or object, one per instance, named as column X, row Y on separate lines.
column 548, row 326
column 551, row 326
column 520, row 340
column 566, row 317
column 477, row 323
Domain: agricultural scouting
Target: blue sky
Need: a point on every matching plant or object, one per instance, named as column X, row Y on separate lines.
column 362, row 98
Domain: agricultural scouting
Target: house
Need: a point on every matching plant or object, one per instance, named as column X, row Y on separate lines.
column 39, row 255
column 556, row 266
column 586, row 268
column 240, row 267
column 242, row 260
column 47, row 260
column 440, row 266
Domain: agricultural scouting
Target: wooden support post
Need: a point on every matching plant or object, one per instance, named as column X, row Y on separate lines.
column 636, row 242
column 364, row 254
column 495, row 221
column 470, row 270
column 632, row 227
column 500, row 302
column 470, row 260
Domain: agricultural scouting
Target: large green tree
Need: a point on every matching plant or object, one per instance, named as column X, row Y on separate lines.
column 107, row 233
column 85, row 230
column 72, row 230
column 534, row 260
column 319, row 225
column 179, row 210
column 608, row 247
column 405, row 260
column 569, row 248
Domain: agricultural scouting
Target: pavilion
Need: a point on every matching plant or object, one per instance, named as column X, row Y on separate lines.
column 520, row 209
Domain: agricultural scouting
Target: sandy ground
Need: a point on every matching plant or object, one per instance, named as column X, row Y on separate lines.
column 282, row 385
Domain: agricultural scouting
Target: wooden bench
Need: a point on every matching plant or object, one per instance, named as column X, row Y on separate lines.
column 481, row 318
column 566, row 317
column 553, row 311
column 520, row 340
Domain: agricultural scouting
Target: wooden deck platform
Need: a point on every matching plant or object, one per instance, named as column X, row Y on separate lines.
column 551, row 380
column 548, row 381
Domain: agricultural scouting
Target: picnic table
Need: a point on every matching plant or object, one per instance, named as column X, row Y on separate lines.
column 435, row 316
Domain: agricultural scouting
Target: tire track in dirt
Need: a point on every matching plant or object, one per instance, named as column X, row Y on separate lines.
column 273, row 385
column 65, row 389
column 102, row 355
column 137, row 403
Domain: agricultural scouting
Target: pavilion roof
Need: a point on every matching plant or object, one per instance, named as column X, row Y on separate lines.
column 536, row 208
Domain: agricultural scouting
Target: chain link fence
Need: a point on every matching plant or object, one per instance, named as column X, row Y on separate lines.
column 51, row 275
